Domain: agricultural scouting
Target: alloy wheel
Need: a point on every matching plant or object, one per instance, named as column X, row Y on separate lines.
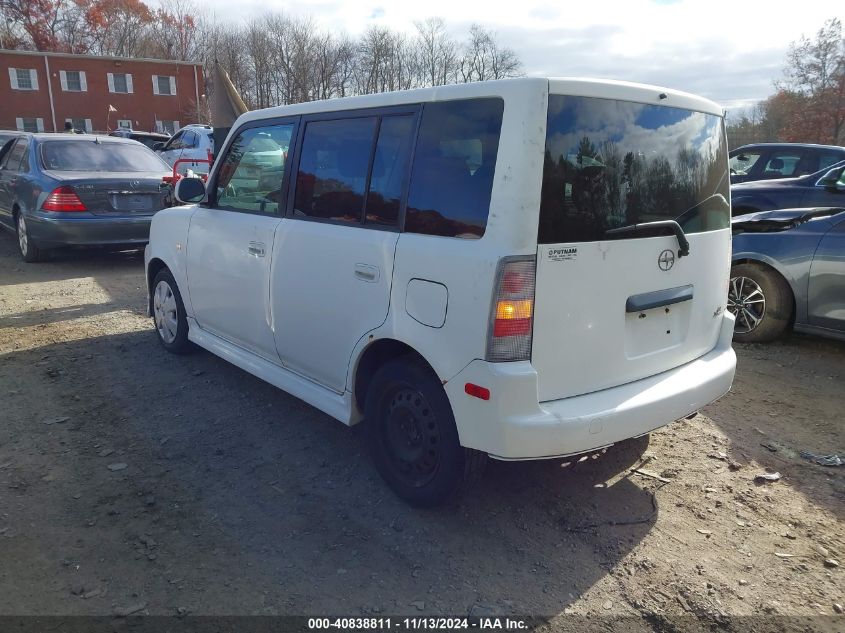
column 23, row 240
column 747, row 303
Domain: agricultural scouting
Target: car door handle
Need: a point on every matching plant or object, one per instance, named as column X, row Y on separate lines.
column 256, row 249
column 367, row 273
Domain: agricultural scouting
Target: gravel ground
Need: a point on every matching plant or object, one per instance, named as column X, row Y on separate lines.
column 131, row 479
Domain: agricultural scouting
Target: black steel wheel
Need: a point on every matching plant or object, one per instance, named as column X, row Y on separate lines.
column 412, row 435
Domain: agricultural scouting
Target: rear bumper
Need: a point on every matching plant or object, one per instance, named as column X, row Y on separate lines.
column 86, row 229
column 513, row 425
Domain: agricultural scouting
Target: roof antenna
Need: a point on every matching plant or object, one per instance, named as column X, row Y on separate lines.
column 663, row 95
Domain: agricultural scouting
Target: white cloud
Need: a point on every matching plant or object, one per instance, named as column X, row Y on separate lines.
column 728, row 51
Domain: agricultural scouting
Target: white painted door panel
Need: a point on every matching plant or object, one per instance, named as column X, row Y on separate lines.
column 229, row 258
column 330, row 286
column 586, row 339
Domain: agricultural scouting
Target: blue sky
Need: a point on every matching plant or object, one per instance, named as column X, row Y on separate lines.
column 727, row 50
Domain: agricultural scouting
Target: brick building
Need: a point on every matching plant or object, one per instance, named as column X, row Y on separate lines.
column 42, row 91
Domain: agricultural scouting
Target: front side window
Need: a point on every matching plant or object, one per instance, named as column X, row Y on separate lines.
column 332, row 175
column 251, row 174
column 454, row 163
column 615, row 163
column 16, row 161
column 190, row 140
column 781, row 165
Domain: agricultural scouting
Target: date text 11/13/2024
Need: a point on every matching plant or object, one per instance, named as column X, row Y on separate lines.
column 418, row 624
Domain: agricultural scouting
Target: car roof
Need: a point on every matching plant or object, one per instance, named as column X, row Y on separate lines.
column 573, row 86
column 50, row 136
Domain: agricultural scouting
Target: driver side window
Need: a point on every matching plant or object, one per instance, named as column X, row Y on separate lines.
column 250, row 176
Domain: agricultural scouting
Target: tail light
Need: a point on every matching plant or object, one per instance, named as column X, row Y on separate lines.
column 512, row 312
column 63, row 199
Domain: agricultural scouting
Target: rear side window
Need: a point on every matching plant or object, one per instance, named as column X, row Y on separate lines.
column 614, row 163
column 16, row 160
column 454, row 163
column 333, row 167
column 390, row 167
column 85, row 155
column 251, row 173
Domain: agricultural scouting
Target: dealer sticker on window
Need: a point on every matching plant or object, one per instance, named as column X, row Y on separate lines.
column 563, row 254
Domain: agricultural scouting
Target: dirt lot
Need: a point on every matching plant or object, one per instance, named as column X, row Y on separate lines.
column 132, row 479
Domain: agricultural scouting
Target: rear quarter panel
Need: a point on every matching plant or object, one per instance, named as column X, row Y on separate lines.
column 789, row 252
column 467, row 267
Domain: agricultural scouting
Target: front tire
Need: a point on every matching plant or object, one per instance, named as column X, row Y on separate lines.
column 761, row 301
column 27, row 247
column 169, row 314
column 412, row 435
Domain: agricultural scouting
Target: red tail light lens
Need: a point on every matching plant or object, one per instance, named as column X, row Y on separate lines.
column 512, row 313
column 63, row 199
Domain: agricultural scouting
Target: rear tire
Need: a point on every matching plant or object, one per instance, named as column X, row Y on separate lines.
column 169, row 317
column 27, row 247
column 762, row 302
column 412, row 435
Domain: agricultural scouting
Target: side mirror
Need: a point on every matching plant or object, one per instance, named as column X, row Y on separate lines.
column 830, row 179
column 189, row 190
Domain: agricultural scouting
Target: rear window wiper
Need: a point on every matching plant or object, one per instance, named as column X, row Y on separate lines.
column 651, row 227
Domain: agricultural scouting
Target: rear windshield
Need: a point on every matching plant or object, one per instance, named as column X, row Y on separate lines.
column 85, row 155
column 615, row 163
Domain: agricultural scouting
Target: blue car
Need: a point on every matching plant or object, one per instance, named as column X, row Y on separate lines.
column 79, row 190
column 788, row 270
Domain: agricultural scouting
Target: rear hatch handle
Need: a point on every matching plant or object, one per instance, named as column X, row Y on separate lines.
column 650, row 227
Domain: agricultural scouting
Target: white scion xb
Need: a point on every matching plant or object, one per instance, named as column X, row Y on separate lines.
column 524, row 269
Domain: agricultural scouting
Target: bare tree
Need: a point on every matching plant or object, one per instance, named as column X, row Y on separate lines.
column 815, row 75
column 483, row 58
column 437, row 53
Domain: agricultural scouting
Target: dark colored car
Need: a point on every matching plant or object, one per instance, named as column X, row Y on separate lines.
column 764, row 161
column 63, row 189
column 150, row 139
column 825, row 188
column 788, row 269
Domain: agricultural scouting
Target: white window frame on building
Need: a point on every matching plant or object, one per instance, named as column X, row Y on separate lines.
column 86, row 124
column 113, row 86
column 15, row 79
column 157, row 85
column 21, row 124
column 83, row 82
column 124, row 124
column 168, row 127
